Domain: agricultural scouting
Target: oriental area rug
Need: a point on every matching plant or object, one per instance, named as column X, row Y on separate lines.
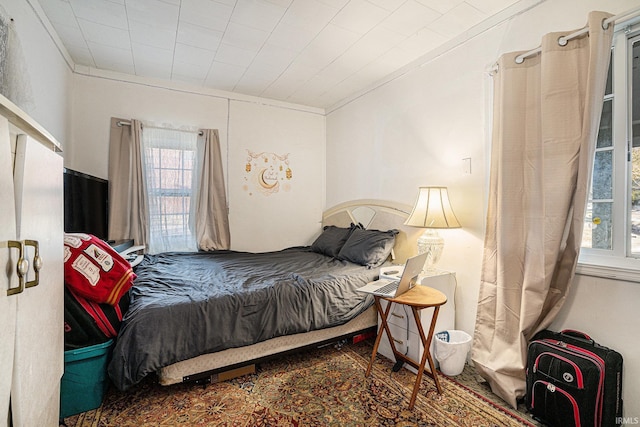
column 321, row 387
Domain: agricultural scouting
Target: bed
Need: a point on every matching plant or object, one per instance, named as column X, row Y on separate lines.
column 234, row 309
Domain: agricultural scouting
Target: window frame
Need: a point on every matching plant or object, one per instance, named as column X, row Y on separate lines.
column 617, row 263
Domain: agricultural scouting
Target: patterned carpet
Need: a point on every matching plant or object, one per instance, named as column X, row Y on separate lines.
column 323, row 387
column 470, row 380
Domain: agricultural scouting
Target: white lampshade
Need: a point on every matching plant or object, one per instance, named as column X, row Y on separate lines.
column 432, row 210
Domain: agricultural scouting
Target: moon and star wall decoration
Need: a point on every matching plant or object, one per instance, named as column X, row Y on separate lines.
column 267, row 173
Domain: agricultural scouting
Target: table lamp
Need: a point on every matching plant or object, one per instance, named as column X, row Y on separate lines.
column 432, row 210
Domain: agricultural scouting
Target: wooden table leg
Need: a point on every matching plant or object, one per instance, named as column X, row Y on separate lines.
column 383, row 329
column 426, row 354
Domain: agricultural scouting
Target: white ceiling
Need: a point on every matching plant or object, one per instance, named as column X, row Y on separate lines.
column 311, row 52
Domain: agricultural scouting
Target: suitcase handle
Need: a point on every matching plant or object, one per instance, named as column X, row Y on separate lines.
column 577, row 334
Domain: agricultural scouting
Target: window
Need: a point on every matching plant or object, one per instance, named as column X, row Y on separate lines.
column 611, row 236
column 169, row 158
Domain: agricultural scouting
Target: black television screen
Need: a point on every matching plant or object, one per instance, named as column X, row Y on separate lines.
column 86, row 204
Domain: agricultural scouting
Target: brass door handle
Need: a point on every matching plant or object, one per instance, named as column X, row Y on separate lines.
column 22, row 267
column 37, row 263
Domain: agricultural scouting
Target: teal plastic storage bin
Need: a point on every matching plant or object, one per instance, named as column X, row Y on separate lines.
column 85, row 379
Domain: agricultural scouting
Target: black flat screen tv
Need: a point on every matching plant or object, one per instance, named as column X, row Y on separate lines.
column 86, row 204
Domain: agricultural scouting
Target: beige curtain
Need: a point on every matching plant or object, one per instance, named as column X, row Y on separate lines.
column 546, row 116
column 212, row 218
column 128, row 211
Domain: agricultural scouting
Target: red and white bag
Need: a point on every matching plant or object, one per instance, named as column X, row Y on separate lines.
column 94, row 270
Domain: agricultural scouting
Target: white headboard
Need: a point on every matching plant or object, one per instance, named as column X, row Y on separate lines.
column 378, row 215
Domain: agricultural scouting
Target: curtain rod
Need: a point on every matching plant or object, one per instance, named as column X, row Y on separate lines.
column 562, row 41
column 121, row 123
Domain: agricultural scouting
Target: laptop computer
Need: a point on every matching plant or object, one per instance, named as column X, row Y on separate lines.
column 393, row 288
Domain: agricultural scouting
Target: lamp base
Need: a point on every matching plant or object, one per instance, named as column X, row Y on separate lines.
column 432, row 243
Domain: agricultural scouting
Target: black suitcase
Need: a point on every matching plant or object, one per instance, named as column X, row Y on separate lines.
column 573, row 381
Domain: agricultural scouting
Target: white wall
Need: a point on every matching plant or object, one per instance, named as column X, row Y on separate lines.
column 44, row 85
column 261, row 220
column 416, row 129
column 258, row 221
column 96, row 100
column 607, row 311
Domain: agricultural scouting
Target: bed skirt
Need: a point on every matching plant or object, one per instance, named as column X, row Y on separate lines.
column 188, row 370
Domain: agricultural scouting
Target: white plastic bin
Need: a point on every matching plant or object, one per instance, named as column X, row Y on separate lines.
column 451, row 348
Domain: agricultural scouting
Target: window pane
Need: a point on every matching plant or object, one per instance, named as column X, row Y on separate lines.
column 172, row 159
column 153, row 157
column 173, row 225
column 605, row 136
column 602, row 183
column 586, row 229
column 188, row 158
column 172, row 179
column 635, row 200
column 635, row 152
column 169, row 160
column 597, row 227
column 609, row 88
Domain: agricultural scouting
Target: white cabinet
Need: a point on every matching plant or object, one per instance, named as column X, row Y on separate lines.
column 403, row 326
column 31, row 277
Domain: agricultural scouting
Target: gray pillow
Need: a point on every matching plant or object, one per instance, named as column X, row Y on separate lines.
column 331, row 240
column 370, row 248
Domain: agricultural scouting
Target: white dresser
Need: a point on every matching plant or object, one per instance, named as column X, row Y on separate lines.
column 403, row 327
column 31, row 278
